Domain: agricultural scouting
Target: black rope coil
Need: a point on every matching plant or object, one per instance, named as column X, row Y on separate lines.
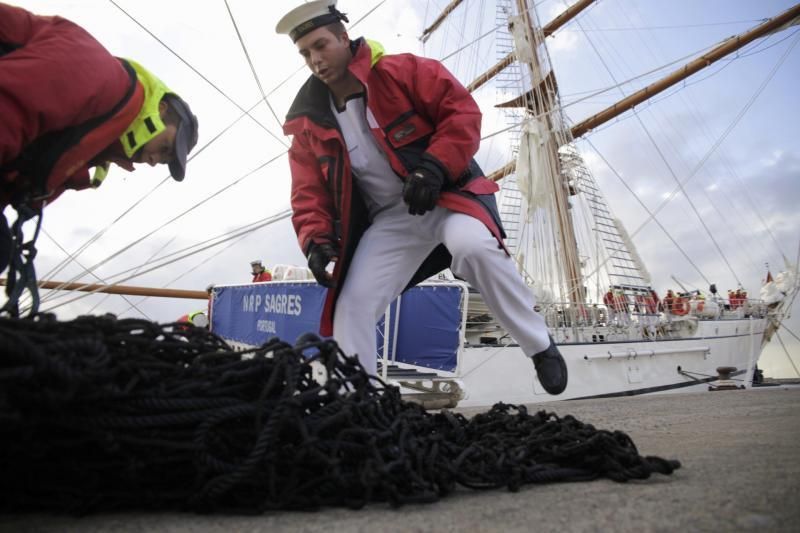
column 100, row 413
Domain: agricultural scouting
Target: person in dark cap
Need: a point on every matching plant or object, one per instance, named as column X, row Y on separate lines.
column 66, row 106
column 386, row 188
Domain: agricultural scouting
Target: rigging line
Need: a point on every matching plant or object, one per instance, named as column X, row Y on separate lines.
column 185, row 212
column 198, row 265
column 250, row 62
column 727, row 62
column 724, row 63
column 84, row 295
column 786, row 351
column 564, row 106
column 666, row 95
column 220, row 91
column 643, row 206
column 757, row 51
column 368, row 13
column 223, row 237
column 719, row 142
column 756, row 48
column 596, row 92
column 680, row 26
column 665, row 161
column 424, row 19
column 459, row 50
column 61, row 266
column 511, row 127
column 689, row 199
column 474, row 59
column 100, row 233
column 289, row 77
column 267, row 221
column 101, row 280
column 789, row 331
column 72, row 257
column 491, row 31
column 132, row 306
column 601, row 91
column 626, row 82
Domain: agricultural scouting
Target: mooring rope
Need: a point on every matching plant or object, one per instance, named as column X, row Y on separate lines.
column 100, row 413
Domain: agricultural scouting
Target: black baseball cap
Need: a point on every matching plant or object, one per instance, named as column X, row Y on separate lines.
column 185, row 137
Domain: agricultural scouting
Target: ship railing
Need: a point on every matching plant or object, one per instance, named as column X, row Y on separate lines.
column 600, row 322
column 750, row 307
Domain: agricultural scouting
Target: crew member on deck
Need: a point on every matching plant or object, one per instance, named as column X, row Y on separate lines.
column 259, row 272
column 195, row 318
column 669, row 301
column 608, row 300
column 68, row 105
column 387, row 189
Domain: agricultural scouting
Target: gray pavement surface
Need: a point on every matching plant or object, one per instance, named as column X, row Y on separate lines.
column 740, row 452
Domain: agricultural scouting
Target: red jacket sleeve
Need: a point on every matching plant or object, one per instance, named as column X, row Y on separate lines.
column 56, row 76
column 448, row 106
column 312, row 205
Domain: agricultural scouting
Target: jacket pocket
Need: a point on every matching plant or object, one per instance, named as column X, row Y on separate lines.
column 407, row 129
column 409, row 136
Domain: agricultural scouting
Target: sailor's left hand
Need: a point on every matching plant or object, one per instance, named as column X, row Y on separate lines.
column 421, row 191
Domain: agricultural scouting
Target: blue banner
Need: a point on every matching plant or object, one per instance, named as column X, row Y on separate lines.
column 428, row 336
column 253, row 314
column 430, row 322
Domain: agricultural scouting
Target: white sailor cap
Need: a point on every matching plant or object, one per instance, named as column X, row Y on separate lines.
column 307, row 17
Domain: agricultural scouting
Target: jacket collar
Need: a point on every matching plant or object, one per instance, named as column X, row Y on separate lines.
column 313, row 99
column 148, row 122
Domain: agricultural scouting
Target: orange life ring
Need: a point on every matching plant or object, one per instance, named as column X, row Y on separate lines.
column 681, row 306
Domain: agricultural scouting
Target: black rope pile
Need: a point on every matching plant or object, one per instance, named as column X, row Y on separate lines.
column 100, row 413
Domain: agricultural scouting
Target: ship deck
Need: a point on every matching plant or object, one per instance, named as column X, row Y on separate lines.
column 741, row 471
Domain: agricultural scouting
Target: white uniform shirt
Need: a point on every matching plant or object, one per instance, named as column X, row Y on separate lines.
column 374, row 177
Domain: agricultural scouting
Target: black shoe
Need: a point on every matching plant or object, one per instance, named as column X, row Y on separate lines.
column 551, row 369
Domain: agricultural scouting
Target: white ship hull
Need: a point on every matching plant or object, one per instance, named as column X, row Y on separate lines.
column 619, row 368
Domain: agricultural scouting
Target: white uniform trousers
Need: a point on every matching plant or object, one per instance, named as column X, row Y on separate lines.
column 388, row 255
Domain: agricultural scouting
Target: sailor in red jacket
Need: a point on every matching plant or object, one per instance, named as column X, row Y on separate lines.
column 384, row 186
column 68, row 105
column 260, row 273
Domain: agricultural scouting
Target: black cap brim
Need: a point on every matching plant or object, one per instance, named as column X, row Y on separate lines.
column 185, row 138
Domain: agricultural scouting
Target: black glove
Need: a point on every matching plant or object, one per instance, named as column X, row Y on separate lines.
column 421, row 190
column 319, row 255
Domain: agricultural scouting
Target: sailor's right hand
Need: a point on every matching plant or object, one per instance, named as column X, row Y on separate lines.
column 319, row 256
column 421, row 190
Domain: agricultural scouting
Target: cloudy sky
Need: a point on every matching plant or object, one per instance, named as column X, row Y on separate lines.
column 746, row 192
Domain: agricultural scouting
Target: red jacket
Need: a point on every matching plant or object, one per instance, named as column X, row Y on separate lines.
column 63, row 99
column 262, row 276
column 424, row 117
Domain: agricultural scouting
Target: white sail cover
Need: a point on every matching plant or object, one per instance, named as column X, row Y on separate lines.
column 785, row 281
column 523, row 48
column 775, row 291
column 532, row 166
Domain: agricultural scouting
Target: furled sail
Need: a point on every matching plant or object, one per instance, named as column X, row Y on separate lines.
column 532, row 167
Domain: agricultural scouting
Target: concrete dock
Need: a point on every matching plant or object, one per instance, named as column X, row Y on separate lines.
column 740, row 452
